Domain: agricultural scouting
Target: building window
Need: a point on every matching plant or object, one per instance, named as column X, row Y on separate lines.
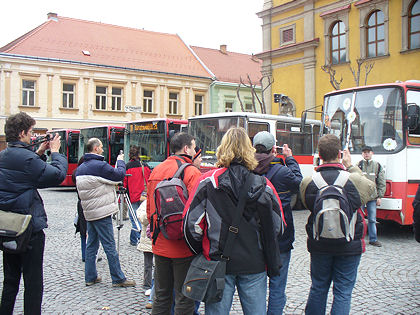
column 147, row 101
column 28, row 93
column 338, row 43
column 414, row 25
column 68, row 95
column 248, row 107
column 375, row 34
column 198, row 105
column 101, row 97
column 116, row 99
column 228, row 106
column 287, row 35
column 173, row 103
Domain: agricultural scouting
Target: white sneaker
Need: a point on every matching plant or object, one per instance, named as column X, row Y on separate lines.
column 147, row 292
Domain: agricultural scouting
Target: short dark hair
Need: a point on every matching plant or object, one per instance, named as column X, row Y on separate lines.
column 179, row 140
column 259, row 148
column 17, row 123
column 329, row 146
column 134, row 152
column 92, row 142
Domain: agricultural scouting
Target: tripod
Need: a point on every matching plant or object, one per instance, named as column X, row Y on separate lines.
column 123, row 198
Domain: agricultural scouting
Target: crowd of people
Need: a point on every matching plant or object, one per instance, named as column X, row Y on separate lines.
column 254, row 172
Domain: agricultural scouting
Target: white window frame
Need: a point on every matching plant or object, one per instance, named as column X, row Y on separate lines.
column 248, row 107
column 102, row 97
column 148, row 101
column 67, row 95
column 229, row 109
column 28, row 91
column 406, row 4
column 116, row 99
column 173, row 103
column 285, row 28
column 198, row 104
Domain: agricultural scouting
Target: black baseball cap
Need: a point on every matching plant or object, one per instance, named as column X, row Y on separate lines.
column 366, row 148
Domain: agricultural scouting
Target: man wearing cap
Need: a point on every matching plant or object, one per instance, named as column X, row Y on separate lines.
column 285, row 177
column 376, row 173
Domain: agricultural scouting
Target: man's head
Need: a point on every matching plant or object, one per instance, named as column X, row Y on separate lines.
column 264, row 142
column 183, row 143
column 94, row 145
column 134, row 152
column 329, row 148
column 367, row 153
column 18, row 127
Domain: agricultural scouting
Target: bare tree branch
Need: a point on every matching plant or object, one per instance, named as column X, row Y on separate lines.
column 368, row 69
column 331, row 72
column 252, row 94
column 237, row 93
column 270, row 82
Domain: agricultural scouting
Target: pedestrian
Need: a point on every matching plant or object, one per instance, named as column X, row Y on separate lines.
column 81, row 225
column 197, row 158
column 374, row 171
column 172, row 257
column 136, row 182
column 209, row 213
column 285, row 177
column 416, row 215
column 22, row 172
column 335, row 256
column 96, row 180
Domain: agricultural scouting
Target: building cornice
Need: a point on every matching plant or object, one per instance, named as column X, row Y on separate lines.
column 282, row 8
column 289, row 49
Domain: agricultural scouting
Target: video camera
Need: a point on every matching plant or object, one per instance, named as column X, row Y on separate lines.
column 41, row 139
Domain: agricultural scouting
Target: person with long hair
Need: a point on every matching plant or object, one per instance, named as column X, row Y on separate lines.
column 209, row 214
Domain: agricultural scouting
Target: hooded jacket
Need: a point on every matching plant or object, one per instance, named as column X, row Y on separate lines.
column 358, row 189
column 209, row 212
column 22, row 171
column 96, row 181
column 135, row 181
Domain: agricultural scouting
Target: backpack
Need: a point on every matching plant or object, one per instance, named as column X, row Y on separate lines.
column 170, row 197
column 15, row 232
column 333, row 216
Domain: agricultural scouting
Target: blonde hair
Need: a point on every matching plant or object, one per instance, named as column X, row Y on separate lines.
column 236, row 145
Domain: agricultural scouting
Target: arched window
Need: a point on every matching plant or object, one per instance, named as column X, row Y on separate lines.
column 375, row 37
column 414, row 25
column 338, row 43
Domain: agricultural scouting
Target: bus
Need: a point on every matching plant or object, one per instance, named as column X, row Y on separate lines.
column 386, row 118
column 69, row 148
column 209, row 129
column 112, row 138
column 152, row 136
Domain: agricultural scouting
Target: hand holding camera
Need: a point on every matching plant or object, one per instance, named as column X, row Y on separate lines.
column 286, row 151
column 121, row 156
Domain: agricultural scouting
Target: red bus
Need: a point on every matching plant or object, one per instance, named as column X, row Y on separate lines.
column 69, row 148
column 152, row 136
column 112, row 138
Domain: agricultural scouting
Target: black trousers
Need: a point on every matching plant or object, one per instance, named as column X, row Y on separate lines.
column 169, row 277
column 30, row 264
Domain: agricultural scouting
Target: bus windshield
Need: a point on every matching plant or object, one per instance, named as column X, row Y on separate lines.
column 116, row 143
column 209, row 132
column 99, row 132
column 371, row 117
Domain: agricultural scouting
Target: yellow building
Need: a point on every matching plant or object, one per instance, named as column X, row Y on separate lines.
column 301, row 36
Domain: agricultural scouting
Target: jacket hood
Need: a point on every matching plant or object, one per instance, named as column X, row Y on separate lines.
column 264, row 161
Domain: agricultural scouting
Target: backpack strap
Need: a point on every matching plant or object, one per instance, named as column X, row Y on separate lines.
column 318, row 180
column 273, row 171
column 181, row 169
column 342, row 179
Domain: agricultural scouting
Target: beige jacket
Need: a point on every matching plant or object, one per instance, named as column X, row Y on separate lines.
column 145, row 244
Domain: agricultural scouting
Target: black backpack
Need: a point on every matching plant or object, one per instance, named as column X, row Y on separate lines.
column 170, row 197
column 333, row 217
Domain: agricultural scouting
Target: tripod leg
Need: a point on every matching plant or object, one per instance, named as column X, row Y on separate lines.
column 133, row 213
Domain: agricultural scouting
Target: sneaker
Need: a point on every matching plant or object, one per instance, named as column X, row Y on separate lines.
column 126, row 283
column 147, row 292
column 97, row 280
column 376, row 243
column 149, row 306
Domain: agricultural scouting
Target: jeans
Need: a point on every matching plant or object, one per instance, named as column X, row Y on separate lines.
column 169, row 276
column 252, row 291
column 277, row 294
column 371, row 210
column 148, row 266
column 30, row 263
column 83, row 246
column 342, row 271
column 102, row 230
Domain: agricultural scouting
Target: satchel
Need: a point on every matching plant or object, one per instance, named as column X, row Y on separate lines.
column 15, row 232
column 205, row 280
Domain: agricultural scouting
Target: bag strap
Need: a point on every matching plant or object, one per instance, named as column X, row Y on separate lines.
column 144, row 178
column 273, row 171
column 181, row 169
column 234, row 227
column 318, row 180
column 342, row 179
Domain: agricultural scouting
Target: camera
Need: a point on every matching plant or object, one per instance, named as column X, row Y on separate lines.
column 279, row 150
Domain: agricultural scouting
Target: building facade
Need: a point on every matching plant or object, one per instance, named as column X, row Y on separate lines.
column 302, row 36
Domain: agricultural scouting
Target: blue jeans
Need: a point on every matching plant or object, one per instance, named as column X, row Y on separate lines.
column 102, row 230
column 252, row 291
column 371, row 211
column 83, row 246
column 134, row 235
column 342, row 271
column 277, row 294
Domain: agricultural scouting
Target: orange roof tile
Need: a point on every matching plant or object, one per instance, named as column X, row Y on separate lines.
column 230, row 66
column 109, row 45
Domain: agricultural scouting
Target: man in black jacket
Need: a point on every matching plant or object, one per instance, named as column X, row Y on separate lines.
column 23, row 171
column 286, row 180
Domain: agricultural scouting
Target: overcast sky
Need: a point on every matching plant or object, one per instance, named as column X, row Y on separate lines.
column 199, row 22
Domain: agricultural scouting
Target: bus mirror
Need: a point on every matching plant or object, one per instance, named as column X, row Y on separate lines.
column 69, row 139
column 112, row 138
column 413, row 115
column 303, row 122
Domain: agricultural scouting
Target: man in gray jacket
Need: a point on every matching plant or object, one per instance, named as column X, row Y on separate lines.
column 96, row 181
column 376, row 173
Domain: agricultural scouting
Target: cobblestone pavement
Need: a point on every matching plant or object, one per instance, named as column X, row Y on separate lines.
column 388, row 280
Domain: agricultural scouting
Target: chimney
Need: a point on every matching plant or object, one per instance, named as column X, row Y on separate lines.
column 52, row 16
column 223, row 49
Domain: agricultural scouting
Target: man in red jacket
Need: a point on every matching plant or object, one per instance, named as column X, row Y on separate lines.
column 172, row 257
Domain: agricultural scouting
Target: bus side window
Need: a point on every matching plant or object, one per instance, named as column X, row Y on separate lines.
column 413, row 96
